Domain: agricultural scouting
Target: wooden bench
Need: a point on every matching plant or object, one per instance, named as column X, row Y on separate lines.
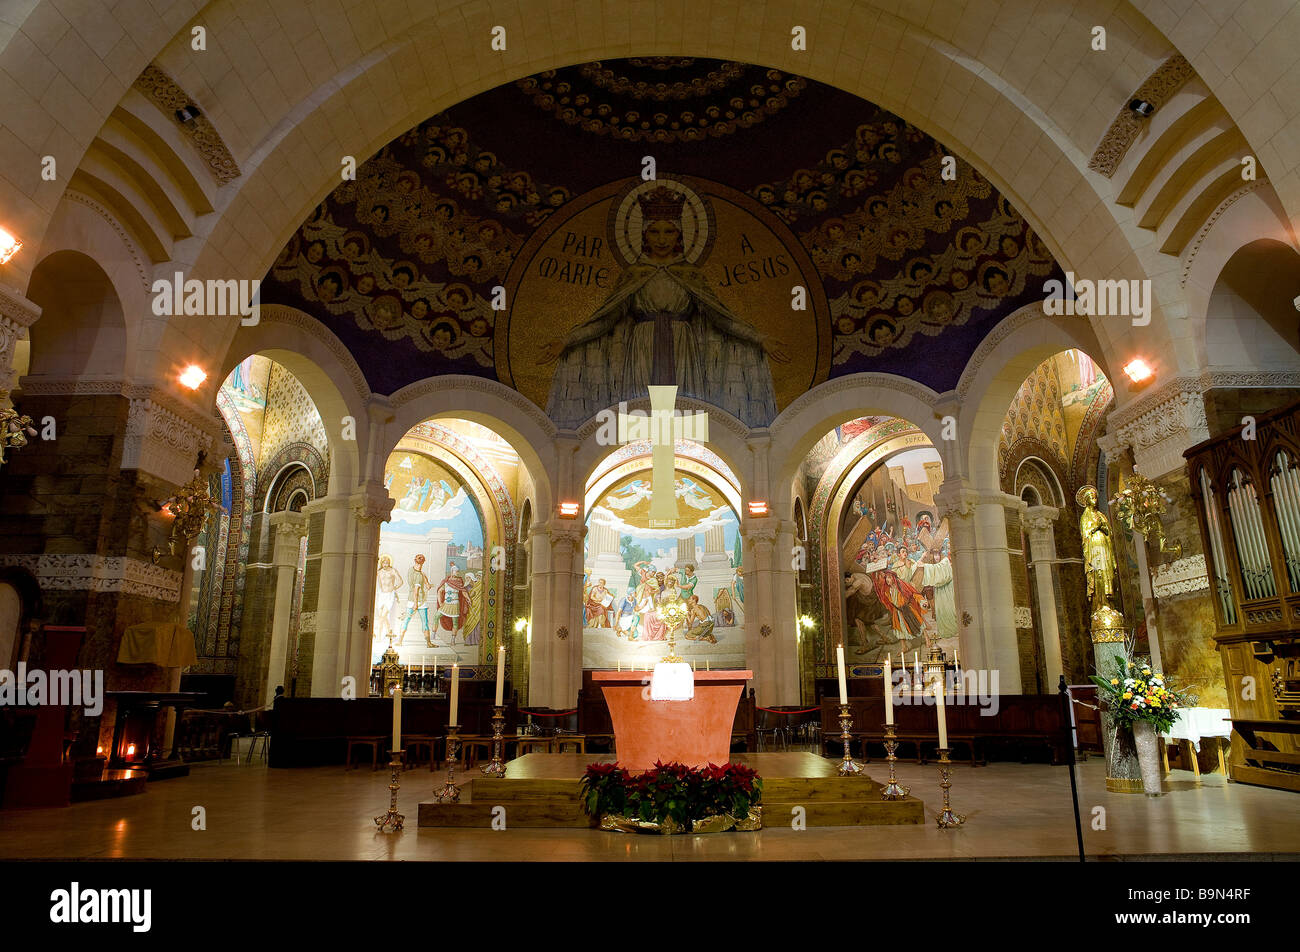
column 372, row 741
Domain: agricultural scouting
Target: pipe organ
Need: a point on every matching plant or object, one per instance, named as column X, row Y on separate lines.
column 1246, row 486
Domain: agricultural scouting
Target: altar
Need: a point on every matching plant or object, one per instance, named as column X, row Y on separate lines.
column 694, row 732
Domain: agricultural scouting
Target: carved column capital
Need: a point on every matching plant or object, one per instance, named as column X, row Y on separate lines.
column 1161, row 425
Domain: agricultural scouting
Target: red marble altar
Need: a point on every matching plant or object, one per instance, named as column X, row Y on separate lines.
column 694, row 732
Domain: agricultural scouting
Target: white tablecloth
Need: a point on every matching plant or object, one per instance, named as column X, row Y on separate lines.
column 1195, row 723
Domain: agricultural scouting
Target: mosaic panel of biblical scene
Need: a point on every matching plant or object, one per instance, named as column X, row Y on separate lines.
column 898, row 581
column 633, row 570
column 429, row 589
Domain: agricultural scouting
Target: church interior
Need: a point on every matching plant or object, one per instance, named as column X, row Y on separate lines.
column 438, row 405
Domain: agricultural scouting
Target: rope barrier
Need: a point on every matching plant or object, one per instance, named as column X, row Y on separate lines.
column 802, row 710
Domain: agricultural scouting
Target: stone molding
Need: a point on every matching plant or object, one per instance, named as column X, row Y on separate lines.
column 371, row 504
column 161, row 442
column 1180, row 577
column 165, row 93
column 136, row 257
column 1039, row 520
column 1013, row 322
column 851, row 382
column 303, row 322
column 290, row 527
column 462, row 382
column 961, row 501
column 1190, row 257
column 1159, row 86
column 1160, row 426
column 70, row 572
column 306, row 622
column 1023, row 617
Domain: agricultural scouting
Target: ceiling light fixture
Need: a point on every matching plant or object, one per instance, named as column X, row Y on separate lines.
column 1141, row 108
column 1139, row 371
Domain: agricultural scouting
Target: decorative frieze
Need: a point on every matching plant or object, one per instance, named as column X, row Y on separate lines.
column 67, row 572
column 165, row 93
column 1158, row 88
column 161, row 442
column 1180, row 577
column 1159, row 427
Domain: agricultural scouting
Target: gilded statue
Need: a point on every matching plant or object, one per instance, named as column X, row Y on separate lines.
column 1098, row 550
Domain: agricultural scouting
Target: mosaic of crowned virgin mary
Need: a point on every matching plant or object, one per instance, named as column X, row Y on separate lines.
column 662, row 325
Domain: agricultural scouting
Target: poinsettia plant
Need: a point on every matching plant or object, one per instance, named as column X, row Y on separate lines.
column 671, row 792
column 1134, row 692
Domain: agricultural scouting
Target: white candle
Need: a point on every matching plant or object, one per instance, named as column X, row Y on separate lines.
column 455, row 690
column 916, row 670
column 620, row 664
column 844, row 687
column 397, row 718
column 956, row 661
column 501, row 672
column 939, row 703
column 706, row 664
column 889, row 691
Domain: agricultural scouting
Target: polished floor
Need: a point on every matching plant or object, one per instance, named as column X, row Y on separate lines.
column 1012, row 810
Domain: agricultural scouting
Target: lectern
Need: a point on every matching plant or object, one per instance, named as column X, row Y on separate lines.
column 694, row 732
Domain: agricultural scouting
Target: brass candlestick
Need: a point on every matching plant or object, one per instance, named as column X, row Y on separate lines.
column 848, row 766
column 892, row 790
column 450, row 792
column 947, row 819
column 392, row 817
column 497, row 768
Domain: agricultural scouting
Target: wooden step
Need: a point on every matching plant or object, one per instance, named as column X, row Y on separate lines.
column 873, row 812
column 552, row 814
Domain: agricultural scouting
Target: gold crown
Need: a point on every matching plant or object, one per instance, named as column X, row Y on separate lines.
column 661, row 204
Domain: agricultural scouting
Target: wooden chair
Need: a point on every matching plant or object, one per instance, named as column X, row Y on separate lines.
column 470, row 746
column 419, row 742
column 577, row 741
column 530, row 745
column 371, row 741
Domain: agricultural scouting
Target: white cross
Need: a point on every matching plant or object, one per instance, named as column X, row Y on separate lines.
column 664, row 426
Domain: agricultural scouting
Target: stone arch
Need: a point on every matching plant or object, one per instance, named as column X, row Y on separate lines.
column 993, row 375
column 327, row 371
column 490, row 404
column 805, row 421
column 82, row 332
column 1251, row 321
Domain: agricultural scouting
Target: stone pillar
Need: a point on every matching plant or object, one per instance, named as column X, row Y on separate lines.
column 370, row 507
column 1038, row 523
column 556, row 667
column 998, row 598
column 956, row 503
column 290, row 528
column 330, row 649
column 760, row 603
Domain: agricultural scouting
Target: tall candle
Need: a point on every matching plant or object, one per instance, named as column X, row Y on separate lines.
column 939, row 704
column 844, row 687
column 501, row 672
column 455, row 690
column 956, row 661
column 916, row 669
column 889, row 691
column 397, row 718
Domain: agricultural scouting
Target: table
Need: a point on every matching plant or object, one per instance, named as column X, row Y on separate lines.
column 695, row 732
column 1196, row 724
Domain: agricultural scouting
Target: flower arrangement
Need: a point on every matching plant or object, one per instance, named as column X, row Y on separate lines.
column 672, row 798
column 1137, row 693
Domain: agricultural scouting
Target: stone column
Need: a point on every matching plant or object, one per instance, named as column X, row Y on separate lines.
column 370, row 507
column 1038, row 522
column 998, row 592
column 760, row 618
column 956, row 503
column 290, row 528
column 330, row 650
column 556, row 668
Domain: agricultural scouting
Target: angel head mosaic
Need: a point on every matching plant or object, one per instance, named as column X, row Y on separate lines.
column 514, row 237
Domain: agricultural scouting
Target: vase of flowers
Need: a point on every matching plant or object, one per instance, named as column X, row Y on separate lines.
column 1143, row 701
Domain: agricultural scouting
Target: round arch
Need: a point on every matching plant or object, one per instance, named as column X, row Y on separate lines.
column 326, row 370
column 82, row 332
column 488, row 403
column 1003, row 362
